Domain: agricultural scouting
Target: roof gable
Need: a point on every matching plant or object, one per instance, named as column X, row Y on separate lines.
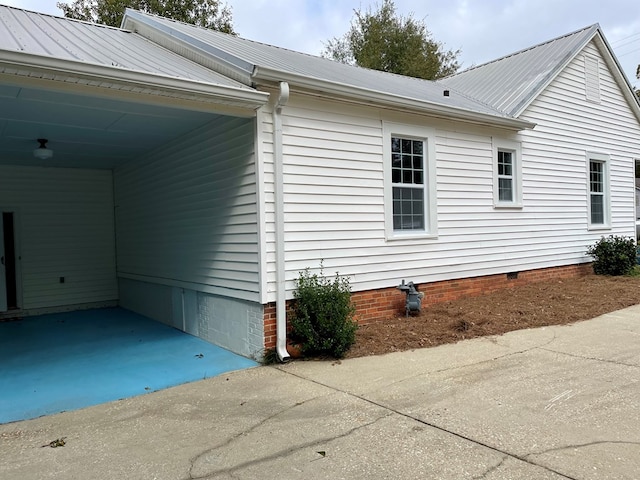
column 511, row 83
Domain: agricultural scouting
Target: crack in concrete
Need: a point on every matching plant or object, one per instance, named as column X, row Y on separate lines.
column 595, row 359
column 528, row 458
column 444, row 430
column 233, row 438
column 474, row 441
column 491, row 469
column 582, row 445
column 279, row 454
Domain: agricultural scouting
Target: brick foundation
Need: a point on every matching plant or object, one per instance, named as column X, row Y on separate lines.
column 377, row 305
column 270, row 325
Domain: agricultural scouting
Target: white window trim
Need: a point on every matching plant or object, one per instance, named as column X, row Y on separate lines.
column 516, row 149
column 604, row 159
column 428, row 136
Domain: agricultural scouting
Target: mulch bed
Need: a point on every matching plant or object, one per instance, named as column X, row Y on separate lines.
column 555, row 302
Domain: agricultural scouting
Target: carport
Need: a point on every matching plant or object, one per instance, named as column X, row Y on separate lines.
column 136, row 205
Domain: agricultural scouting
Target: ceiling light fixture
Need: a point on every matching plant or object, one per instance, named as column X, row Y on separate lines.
column 42, row 152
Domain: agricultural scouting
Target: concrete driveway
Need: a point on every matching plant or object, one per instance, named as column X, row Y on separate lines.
column 550, row 403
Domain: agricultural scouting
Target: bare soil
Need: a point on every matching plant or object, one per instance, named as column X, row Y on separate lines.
column 539, row 304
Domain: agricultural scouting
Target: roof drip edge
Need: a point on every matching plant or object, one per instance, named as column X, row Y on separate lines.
column 49, row 68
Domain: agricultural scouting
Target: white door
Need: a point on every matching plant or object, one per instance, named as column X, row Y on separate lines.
column 3, row 270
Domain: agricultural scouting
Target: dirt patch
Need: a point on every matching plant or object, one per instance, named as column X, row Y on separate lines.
column 555, row 302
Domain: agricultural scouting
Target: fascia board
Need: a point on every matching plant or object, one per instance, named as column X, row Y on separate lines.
column 141, row 80
column 382, row 98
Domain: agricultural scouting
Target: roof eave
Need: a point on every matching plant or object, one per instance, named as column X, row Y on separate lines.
column 117, row 78
column 391, row 100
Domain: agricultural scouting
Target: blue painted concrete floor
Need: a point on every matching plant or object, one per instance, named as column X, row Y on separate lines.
column 65, row 361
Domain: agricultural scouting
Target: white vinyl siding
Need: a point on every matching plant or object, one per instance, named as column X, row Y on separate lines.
column 64, row 228
column 335, row 196
column 186, row 214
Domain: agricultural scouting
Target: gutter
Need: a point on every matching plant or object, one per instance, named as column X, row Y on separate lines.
column 135, row 81
column 392, row 100
column 281, row 301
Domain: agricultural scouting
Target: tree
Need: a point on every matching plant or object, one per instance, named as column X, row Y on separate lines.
column 384, row 40
column 638, row 77
column 205, row 13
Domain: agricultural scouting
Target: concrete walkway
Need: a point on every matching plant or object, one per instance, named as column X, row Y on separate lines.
column 551, row 403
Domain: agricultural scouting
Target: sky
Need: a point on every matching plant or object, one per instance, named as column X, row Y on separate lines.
column 482, row 30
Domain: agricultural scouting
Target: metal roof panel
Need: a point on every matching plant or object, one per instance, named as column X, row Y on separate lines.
column 233, row 50
column 511, row 82
column 72, row 40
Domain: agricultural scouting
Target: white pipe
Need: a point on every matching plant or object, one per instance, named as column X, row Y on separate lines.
column 281, row 301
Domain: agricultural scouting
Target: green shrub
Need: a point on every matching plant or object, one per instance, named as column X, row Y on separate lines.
column 269, row 357
column 322, row 315
column 613, row 255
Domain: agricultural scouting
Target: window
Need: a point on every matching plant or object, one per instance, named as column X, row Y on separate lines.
column 507, row 182
column 598, row 190
column 407, row 173
column 410, row 187
column 505, row 176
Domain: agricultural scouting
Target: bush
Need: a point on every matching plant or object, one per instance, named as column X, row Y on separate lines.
column 322, row 315
column 613, row 255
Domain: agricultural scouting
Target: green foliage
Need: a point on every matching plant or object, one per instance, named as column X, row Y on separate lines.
column 613, row 255
column 322, row 315
column 204, row 13
column 383, row 40
column 269, row 357
column 635, row 272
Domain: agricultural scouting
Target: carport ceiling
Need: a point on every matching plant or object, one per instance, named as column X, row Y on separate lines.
column 85, row 131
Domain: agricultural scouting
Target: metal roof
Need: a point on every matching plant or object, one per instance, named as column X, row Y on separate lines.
column 43, row 35
column 510, row 83
column 246, row 59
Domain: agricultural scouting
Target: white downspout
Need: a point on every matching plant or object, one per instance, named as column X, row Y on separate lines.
column 281, row 301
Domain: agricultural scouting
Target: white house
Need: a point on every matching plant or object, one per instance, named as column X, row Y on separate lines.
column 194, row 174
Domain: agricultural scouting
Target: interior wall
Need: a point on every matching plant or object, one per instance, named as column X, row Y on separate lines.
column 64, row 235
column 187, row 235
column 186, row 214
